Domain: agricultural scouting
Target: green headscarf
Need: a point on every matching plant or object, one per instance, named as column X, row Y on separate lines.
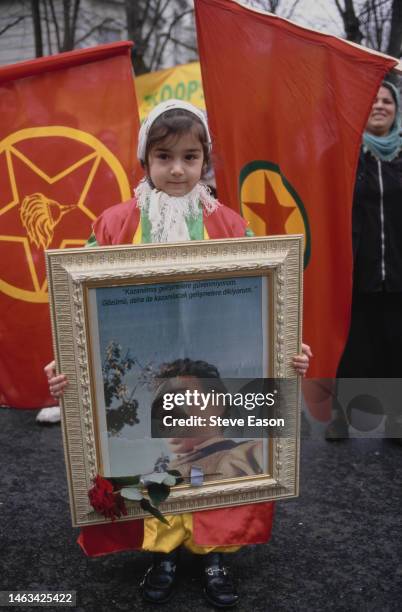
column 386, row 147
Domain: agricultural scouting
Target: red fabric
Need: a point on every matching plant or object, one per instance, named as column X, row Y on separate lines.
column 225, row 223
column 293, row 131
column 30, row 68
column 235, row 526
column 238, row 525
column 117, row 225
column 68, row 132
column 319, row 396
column 97, row 540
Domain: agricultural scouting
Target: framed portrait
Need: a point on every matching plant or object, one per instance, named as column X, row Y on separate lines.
column 179, row 361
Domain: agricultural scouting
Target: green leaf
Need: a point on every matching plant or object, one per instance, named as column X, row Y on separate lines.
column 145, row 505
column 169, row 480
column 125, row 481
column 157, row 477
column 158, row 492
column 131, row 493
column 177, row 475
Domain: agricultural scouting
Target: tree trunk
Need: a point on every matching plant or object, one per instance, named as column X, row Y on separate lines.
column 67, row 42
column 134, row 13
column 351, row 22
column 395, row 36
column 37, row 28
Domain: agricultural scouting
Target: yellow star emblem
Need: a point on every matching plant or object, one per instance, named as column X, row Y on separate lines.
column 55, row 181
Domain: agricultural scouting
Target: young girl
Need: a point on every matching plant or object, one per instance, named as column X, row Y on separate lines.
column 171, row 204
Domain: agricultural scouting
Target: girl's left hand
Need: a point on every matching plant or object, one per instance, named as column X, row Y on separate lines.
column 57, row 383
column 301, row 362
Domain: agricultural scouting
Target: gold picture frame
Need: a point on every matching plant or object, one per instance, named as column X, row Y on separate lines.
column 83, row 285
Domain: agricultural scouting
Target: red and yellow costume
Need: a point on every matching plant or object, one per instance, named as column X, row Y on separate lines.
column 220, row 530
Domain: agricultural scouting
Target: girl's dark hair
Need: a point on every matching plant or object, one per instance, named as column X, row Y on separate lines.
column 174, row 123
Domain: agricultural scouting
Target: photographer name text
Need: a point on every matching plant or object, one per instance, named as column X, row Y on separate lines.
column 218, row 421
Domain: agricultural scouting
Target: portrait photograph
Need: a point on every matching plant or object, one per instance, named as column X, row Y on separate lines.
column 137, row 331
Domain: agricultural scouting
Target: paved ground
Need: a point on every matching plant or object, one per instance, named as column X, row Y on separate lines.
column 338, row 547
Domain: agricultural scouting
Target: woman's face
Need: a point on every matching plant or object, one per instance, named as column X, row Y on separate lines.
column 382, row 114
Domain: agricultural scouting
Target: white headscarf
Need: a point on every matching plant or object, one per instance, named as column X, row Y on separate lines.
column 157, row 112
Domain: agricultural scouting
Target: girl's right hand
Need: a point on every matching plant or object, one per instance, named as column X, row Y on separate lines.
column 57, row 383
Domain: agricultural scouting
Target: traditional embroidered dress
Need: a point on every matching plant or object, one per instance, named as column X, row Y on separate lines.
column 130, row 222
column 148, row 218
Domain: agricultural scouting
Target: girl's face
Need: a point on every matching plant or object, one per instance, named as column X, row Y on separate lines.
column 175, row 165
column 382, row 114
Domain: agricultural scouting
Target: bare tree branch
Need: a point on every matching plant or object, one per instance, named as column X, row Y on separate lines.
column 168, row 35
column 74, row 19
column 351, row 23
column 338, row 6
column 105, row 21
column 56, row 24
column 395, row 35
column 67, row 25
column 182, row 44
column 292, row 9
column 157, row 16
column 13, row 23
column 340, row 9
column 378, row 28
column 378, row 23
column 146, row 11
column 48, row 33
column 37, row 26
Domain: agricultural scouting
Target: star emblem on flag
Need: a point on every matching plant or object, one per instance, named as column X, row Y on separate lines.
column 271, row 205
column 50, row 178
column 273, row 214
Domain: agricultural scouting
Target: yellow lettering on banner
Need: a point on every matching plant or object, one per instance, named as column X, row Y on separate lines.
column 182, row 82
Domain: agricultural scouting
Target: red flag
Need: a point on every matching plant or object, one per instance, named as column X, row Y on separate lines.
column 287, row 107
column 68, row 130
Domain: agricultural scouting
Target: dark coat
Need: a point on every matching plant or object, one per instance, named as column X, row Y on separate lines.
column 377, row 225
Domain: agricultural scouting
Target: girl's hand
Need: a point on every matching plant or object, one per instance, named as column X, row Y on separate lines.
column 57, row 383
column 301, row 362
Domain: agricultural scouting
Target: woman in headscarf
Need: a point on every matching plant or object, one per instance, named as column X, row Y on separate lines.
column 374, row 345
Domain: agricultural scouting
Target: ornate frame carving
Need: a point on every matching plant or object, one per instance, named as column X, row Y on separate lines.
column 72, row 271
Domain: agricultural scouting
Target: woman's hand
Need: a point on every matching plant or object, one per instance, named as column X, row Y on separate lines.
column 57, row 383
column 301, row 362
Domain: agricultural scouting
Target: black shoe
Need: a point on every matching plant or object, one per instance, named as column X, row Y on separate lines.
column 218, row 585
column 337, row 430
column 397, row 441
column 159, row 581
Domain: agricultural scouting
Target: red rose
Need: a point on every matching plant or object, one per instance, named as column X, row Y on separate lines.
column 105, row 500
